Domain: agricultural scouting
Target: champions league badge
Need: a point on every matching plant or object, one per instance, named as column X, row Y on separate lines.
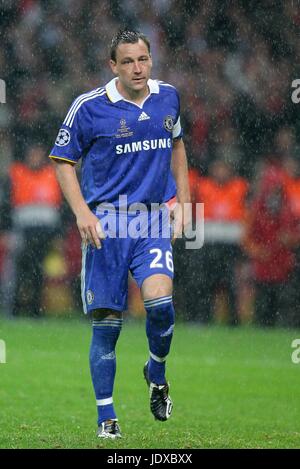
column 168, row 123
column 63, row 138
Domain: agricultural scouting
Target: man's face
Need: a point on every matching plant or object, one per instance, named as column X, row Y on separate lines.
column 133, row 65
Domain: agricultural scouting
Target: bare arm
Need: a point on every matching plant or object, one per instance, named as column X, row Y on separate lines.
column 180, row 171
column 179, row 168
column 88, row 224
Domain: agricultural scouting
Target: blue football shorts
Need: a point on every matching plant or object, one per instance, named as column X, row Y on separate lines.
column 137, row 243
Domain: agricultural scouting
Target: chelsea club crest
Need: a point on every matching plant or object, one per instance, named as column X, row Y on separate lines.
column 90, row 297
column 168, row 123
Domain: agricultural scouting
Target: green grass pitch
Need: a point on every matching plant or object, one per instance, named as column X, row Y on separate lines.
column 232, row 388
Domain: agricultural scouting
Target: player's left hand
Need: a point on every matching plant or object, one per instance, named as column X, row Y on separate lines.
column 90, row 228
column 176, row 218
column 181, row 219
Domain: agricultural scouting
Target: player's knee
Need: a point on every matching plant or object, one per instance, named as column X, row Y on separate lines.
column 158, row 293
column 154, row 288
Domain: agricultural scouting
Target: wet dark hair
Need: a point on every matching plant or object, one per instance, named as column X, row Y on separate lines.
column 126, row 36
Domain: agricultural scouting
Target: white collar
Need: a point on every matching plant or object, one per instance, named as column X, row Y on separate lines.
column 114, row 95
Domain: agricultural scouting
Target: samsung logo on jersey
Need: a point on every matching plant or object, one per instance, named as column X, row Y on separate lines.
column 144, row 145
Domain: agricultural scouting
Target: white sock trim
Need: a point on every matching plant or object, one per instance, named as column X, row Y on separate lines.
column 107, row 401
column 157, row 359
column 158, row 301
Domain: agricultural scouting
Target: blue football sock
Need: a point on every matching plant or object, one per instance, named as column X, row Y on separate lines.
column 159, row 328
column 103, row 364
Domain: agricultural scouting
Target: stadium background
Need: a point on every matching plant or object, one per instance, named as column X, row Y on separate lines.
column 233, row 64
column 233, row 67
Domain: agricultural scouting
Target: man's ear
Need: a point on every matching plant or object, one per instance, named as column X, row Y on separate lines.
column 113, row 67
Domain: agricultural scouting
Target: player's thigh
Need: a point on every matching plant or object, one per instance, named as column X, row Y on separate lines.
column 153, row 268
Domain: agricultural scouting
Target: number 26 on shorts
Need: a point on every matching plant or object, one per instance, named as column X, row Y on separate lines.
column 156, row 263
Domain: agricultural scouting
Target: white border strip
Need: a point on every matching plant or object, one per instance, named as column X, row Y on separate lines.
column 84, row 251
column 157, row 359
column 176, row 128
column 107, row 401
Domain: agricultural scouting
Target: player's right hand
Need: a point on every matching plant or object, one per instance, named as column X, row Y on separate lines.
column 90, row 229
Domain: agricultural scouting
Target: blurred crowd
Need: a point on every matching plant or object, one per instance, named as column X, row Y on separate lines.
column 233, row 64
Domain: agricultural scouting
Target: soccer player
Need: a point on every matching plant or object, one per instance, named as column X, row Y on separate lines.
column 128, row 136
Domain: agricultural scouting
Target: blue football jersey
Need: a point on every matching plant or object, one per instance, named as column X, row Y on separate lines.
column 125, row 148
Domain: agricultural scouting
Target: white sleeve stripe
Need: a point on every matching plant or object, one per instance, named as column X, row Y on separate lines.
column 77, row 100
column 70, row 120
column 77, row 105
column 176, row 128
column 166, row 84
column 82, row 96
